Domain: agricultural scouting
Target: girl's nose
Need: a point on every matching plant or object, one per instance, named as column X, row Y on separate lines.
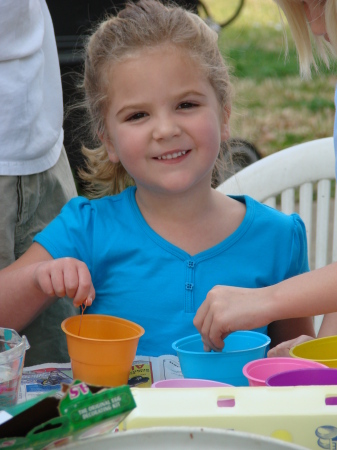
column 166, row 128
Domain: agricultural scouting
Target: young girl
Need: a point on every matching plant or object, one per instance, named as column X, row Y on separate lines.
column 310, row 294
column 160, row 238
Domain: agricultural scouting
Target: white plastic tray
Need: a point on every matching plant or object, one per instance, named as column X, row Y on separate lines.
column 298, row 415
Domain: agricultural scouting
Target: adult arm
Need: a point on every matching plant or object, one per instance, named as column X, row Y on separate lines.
column 34, row 281
column 227, row 309
column 21, row 28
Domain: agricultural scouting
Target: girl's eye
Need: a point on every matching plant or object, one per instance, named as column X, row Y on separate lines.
column 187, row 105
column 136, row 116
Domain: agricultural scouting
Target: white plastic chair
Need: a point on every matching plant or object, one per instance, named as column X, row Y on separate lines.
column 298, row 174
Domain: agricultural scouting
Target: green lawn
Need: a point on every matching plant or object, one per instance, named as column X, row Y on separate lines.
column 273, row 107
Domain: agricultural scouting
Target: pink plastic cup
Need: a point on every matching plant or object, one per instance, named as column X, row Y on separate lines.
column 187, row 383
column 258, row 371
column 196, row 383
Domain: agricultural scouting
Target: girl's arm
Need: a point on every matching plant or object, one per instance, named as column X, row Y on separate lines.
column 329, row 324
column 228, row 309
column 328, row 328
column 36, row 280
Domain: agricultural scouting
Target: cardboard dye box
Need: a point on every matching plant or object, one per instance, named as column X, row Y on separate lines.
column 82, row 413
column 303, row 415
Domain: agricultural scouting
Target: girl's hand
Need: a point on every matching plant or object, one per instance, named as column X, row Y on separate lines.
column 284, row 348
column 65, row 276
column 227, row 309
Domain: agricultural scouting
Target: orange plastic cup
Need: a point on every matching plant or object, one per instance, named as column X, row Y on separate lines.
column 104, row 352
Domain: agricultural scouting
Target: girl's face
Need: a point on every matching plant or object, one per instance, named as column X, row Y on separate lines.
column 315, row 12
column 164, row 122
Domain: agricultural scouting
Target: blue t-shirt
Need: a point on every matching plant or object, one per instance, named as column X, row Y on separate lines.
column 141, row 277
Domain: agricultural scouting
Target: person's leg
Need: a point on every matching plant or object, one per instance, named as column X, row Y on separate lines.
column 41, row 198
column 8, row 218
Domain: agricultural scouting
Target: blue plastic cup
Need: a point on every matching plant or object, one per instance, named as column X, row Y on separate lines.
column 240, row 348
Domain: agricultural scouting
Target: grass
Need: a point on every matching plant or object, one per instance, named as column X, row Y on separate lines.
column 273, row 107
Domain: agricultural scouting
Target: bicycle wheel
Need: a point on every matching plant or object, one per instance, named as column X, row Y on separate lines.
column 208, row 10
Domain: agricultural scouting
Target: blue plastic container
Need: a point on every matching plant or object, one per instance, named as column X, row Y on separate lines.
column 240, row 348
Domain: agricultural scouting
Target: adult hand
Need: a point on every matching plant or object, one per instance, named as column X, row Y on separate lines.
column 227, row 309
column 284, row 348
column 65, row 276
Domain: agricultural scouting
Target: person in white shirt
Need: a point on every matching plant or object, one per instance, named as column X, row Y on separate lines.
column 35, row 175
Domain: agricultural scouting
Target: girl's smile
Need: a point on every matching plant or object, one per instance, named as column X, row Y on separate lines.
column 164, row 122
column 172, row 156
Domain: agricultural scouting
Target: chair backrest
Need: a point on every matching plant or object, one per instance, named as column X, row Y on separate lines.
column 302, row 178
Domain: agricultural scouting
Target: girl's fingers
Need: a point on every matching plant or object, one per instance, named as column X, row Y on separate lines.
column 46, row 285
column 88, row 301
column 71, row 280
column 284, row 348
column 219, row 329
column 66, row 276
column 216, row 340
column 202, row 322
column 57, row 280
column 206, row 326
column 207, row 348
column 200, row 315
column 211, row 335
column 85, row 291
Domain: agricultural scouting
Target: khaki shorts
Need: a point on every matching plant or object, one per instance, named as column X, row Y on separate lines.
column 28, row 203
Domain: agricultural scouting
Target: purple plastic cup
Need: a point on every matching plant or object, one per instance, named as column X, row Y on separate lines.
column 258, row 371
column 304, row 377
column 188, row 383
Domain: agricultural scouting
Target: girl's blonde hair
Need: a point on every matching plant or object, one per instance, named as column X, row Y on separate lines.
column 304, row 39
column 145, row 24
